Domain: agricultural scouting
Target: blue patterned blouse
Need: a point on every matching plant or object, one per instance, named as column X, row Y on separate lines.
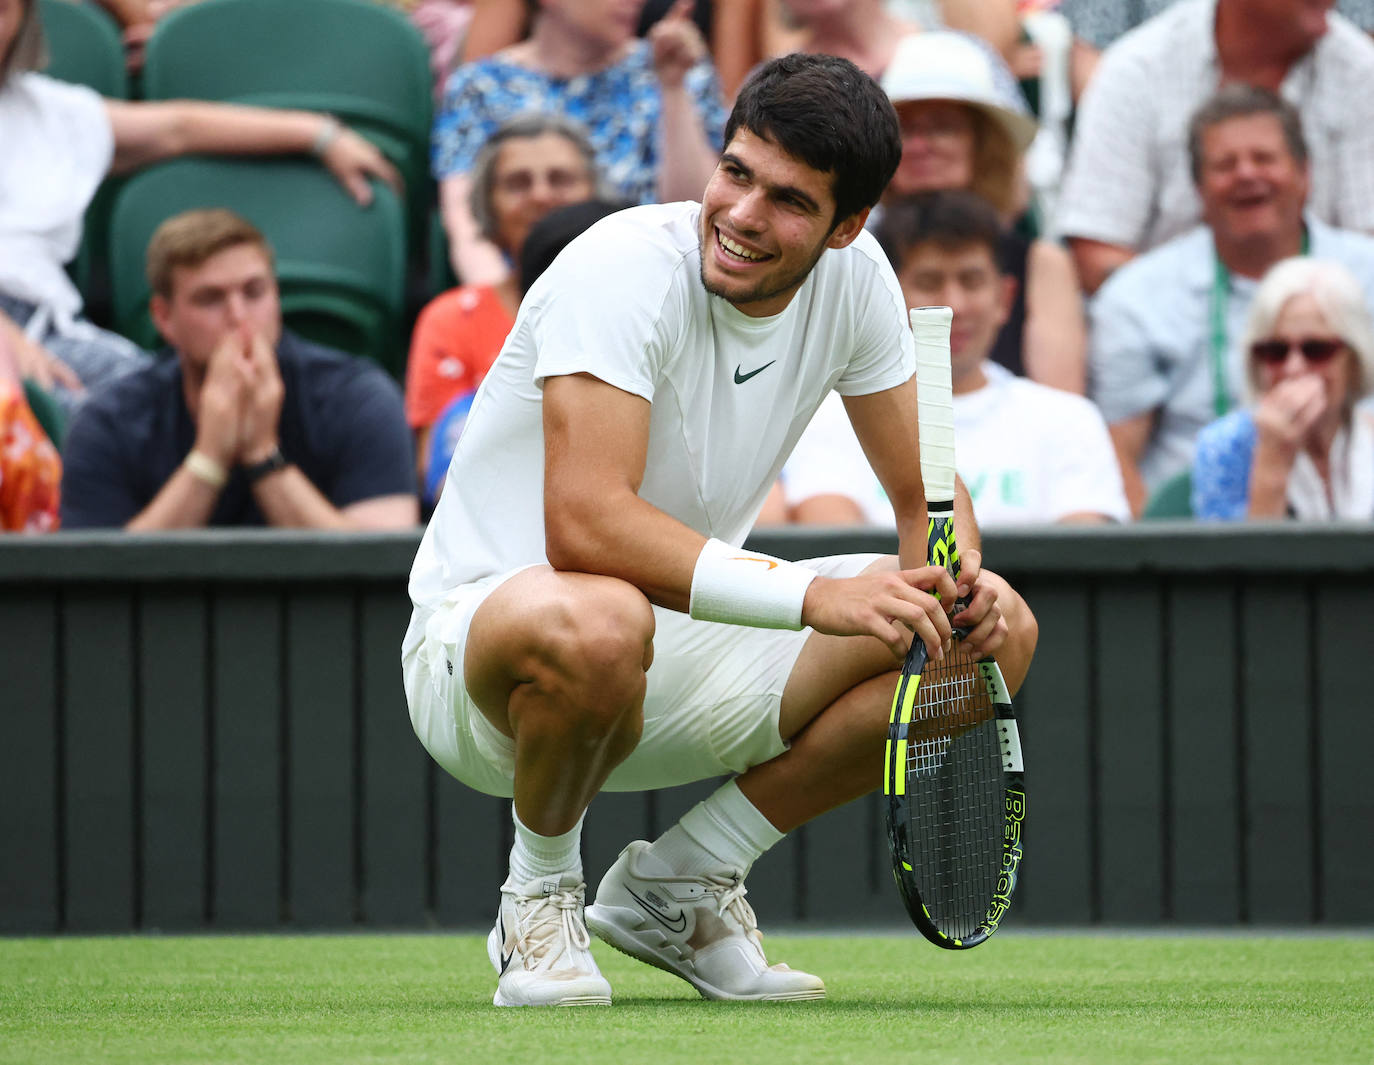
column 620, row 107
column 1221, row 467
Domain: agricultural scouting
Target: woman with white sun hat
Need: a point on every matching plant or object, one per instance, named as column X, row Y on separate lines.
column 965, row 125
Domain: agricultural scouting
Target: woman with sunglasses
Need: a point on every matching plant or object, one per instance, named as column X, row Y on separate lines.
column 1301, row 448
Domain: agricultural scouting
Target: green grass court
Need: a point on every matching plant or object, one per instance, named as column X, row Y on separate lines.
column 1024, row 997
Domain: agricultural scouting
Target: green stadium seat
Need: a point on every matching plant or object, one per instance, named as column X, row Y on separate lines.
column 84, row 47
column 440, row 276
column 1173, row 498
column 341, row 267
column 356, row 59
column 46, row 411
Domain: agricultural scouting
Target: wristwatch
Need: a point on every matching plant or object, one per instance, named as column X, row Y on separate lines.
column 256, row 471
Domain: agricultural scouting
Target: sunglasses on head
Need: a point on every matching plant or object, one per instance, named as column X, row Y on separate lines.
column 1314, row 349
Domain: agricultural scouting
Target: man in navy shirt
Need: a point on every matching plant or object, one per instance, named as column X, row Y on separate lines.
column 247, row 425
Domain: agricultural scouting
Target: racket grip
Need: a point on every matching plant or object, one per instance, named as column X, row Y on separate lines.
column 934, row 400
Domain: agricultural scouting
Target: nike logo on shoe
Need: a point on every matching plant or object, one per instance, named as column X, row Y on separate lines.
column 741, row 378
column 676, row 924
column 505, row 957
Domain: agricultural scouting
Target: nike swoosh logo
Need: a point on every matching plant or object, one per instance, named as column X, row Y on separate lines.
column 740, row 378
column 505, row 958
column 747, row 558
column 677, row 924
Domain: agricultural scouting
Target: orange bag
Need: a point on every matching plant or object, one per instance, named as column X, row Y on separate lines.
column 30, row 467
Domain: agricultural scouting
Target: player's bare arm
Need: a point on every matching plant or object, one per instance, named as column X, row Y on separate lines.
column 596, row 440
column 887, row 427
column 595, row 443
column 894, row 607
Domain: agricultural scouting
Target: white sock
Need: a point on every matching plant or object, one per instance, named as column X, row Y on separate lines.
column 724, row 831
column 534, row 856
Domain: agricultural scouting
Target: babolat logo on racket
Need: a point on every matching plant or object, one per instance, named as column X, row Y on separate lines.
column 1011, row 859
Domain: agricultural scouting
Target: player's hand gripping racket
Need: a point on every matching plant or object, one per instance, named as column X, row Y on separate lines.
column 952, row 770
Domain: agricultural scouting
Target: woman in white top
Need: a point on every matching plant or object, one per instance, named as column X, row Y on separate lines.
column 1301, row 448
column 60, row 141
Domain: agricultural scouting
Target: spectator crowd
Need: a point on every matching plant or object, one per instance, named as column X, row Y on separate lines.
column 1154, row 223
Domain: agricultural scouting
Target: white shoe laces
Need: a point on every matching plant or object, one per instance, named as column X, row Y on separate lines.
column 545, row 927
column 729, row 892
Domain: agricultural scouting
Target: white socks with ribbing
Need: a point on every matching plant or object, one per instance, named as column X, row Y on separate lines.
column 536, row 857
column 724, row 831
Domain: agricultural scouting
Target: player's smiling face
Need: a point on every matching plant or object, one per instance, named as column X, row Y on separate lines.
column 765, row 220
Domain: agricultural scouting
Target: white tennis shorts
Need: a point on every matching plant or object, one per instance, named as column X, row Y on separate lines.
column 711, row 708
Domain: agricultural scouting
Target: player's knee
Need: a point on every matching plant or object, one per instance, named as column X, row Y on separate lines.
column 614, row 637
column 603, row 647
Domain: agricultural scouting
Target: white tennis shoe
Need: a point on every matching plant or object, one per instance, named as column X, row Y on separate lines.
column 697, row 927
column 541, row 949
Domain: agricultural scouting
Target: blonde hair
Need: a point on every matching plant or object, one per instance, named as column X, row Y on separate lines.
column 190, row 238
column 1338, row 296
column 995, row 162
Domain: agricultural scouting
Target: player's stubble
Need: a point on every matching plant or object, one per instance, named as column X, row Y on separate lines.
column 765, row 289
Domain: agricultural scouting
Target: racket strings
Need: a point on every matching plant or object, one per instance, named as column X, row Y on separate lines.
column 955, row 793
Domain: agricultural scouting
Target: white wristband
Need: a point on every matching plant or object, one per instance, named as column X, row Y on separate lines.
column 742, row 587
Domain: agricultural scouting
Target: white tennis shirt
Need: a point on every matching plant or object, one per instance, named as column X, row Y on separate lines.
column 730, row 394
column 1028, row 454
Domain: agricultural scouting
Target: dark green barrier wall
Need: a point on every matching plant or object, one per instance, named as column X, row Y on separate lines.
column 207, row 731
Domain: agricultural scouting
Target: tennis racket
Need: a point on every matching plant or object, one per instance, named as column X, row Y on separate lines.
column 952, row 769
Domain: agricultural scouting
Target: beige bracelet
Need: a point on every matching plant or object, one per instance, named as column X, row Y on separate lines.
column 206, row 469
column 327, row 135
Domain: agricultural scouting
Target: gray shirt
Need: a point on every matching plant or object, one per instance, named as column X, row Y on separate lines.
column 1100, row 22
column 1128, row 180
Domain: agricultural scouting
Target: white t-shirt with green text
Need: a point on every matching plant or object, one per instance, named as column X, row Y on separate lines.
column 1028, row 454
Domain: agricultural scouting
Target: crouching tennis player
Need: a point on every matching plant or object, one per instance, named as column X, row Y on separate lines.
column 585, row 617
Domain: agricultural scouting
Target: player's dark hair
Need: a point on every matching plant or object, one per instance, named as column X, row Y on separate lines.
column 832, row 116
column 948, row 218
column 1241, row 101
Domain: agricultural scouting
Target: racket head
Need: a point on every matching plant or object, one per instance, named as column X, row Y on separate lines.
column 955, row 797
column 953, row 772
